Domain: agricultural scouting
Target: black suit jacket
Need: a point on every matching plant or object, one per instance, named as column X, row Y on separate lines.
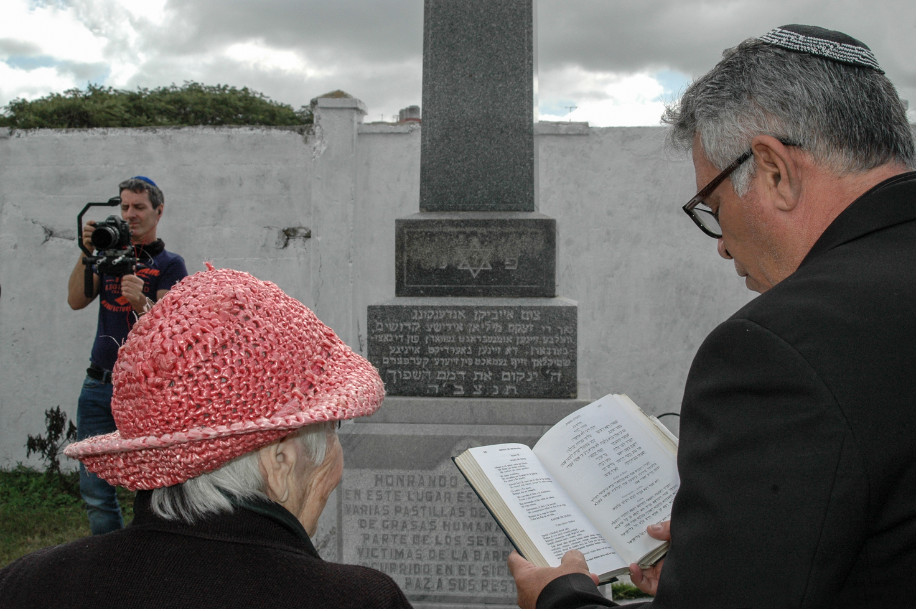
column 797, row 436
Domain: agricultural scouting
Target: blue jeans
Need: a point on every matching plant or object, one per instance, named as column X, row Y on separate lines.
column 94, row 417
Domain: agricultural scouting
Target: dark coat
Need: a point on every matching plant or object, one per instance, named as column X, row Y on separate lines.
column 244, row 559
column 797, row 435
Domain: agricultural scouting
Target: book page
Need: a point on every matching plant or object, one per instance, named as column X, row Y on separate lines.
column 618, row 466
column 553, row 522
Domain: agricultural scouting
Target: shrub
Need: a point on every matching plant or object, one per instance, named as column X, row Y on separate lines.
column 190, row 104
column 59, row 431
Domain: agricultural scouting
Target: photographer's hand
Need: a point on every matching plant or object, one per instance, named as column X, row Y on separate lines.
column 132, row 290
column 88, row 228
column 77, row 298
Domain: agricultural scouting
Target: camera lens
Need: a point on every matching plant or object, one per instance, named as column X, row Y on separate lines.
column 105, row 237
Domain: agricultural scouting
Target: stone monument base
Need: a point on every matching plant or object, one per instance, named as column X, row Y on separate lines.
column 404, row 508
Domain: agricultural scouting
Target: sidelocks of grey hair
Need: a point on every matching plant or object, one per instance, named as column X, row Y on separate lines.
column 139, row 186
column 849, row 118
column 240, row 478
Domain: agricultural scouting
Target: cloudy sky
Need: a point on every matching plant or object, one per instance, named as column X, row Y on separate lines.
column 608, row 62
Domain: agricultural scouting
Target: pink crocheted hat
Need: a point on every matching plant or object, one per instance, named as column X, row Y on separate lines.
column 223, row 365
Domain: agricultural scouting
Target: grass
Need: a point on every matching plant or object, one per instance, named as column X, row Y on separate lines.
column 42, row 509
column 626, row 591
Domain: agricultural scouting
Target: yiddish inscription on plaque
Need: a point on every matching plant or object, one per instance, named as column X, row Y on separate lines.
column 502, row 350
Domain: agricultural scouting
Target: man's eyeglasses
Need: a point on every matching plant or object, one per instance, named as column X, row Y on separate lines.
column 700, row 212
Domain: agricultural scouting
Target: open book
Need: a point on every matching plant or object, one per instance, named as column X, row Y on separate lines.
column 593, row 482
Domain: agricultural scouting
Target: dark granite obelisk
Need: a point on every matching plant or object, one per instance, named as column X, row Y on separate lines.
column 478, row 234
column 478, row 101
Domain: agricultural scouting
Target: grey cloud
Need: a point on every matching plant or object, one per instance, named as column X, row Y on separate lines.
column 11, row 46
column 373, row 47
column 690, row 36
column 375, row 32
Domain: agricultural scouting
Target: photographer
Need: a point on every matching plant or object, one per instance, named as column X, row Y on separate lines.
column 123, row 297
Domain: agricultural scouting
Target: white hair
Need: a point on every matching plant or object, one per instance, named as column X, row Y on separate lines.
column 240, row 478
column 849, row 118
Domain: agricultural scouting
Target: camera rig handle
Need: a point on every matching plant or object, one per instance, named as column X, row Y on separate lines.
column 87, row 277
column 115, row 201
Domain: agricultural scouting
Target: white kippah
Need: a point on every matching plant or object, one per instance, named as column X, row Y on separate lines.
column 829, row 44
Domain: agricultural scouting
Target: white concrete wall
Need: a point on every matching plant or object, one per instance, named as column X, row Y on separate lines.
column 648, row 284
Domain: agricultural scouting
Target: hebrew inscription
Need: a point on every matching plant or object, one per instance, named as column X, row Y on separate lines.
column 500, row 351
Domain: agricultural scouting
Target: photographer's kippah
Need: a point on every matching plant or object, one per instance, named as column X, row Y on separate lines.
column 145, row 179
column 829, row 44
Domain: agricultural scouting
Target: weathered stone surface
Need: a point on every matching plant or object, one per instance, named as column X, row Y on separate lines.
column 500, row 348
column 475, row 255
column 478, row 103
column 407, row 511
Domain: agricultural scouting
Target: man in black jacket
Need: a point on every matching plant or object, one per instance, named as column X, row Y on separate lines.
column 797, row 449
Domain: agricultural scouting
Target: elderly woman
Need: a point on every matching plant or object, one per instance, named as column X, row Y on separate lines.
column 227, row 393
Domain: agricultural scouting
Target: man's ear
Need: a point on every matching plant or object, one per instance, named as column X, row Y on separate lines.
column 778, row 173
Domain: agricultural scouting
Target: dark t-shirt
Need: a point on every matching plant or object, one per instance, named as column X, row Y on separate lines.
column 116, row 315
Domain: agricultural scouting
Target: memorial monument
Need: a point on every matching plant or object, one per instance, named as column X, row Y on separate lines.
column 476, row 313
column 476, row 347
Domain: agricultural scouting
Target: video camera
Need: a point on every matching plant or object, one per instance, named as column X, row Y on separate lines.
column 112, row 240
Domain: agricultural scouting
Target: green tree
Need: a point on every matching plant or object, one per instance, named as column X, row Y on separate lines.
column 190, row 104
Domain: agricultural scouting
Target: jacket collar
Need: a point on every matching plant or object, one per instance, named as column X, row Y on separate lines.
column 258, row 522
column 277, row 513
column 889, row 203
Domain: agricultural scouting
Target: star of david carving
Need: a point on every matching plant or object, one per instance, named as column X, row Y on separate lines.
column 475, row 261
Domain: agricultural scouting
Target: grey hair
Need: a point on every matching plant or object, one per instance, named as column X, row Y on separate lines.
column 849, row 118
column 240, row 478
column 137, row 185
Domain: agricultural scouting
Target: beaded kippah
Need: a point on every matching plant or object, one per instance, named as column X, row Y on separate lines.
column 829, row 44
column 221, row 366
